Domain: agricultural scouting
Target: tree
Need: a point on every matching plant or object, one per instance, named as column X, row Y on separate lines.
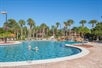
column 5, row 34
column 83, row 22
column 21, row 23
column 25, row 31
column 36, row 31
column 53, row 29
column 31, row 24
column 65, row 28
column 43, row 26
column 97, row 30
column 93, row 22
column 13, row 26
column 57, row 25
column 17, row 30
column 83, row 31
column 70, row 22
column 9, row 26
column 75, row 29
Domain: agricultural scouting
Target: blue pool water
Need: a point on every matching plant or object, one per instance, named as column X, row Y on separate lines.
column 46, row 50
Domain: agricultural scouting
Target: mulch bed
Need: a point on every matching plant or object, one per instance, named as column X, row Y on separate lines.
column 85, row 45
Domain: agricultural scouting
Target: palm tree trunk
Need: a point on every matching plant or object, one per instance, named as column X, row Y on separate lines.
column 17, row 35
column 25, row 34
column 70, row 33
column 5, row 39
column 53, row 31
column 97, row 38
column 34, row 34
column 21, row 33
column 29, row 34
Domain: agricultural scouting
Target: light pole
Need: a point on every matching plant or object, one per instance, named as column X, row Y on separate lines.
column 5, row 27
column 5, row 13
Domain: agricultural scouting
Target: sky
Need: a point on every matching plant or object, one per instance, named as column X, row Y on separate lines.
column 52, row 11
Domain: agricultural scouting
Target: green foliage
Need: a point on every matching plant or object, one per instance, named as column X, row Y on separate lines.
column 70, row 22
column 93, row 22
column 31, row 23
column 5, row 34
column 98, row 29
column 57, row 24
column 82, row 22
column 83, row 30
column 21, row 30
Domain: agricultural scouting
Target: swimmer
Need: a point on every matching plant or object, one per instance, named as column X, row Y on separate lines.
column 36, row 49
column 29, row 47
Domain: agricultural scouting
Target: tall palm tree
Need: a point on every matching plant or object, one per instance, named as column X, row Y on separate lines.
column 25, row 31
column 47, row 31
column 53, row 29
column 36, row 31
column 31, row 23
column 43, row 26
column 33, row 31
column 65, row 28
column 17, row 30
column 10, row 25
column 70, row 22
column 21, row 23
column 93, row 22
column 83, row 22
column 57, row 25
column 13, row 22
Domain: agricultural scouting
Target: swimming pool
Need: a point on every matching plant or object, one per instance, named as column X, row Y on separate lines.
column 45, row 50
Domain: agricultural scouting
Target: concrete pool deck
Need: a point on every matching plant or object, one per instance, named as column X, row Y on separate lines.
column 92, row 60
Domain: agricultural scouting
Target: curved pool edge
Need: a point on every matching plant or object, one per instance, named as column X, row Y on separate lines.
column 31, row 62
column 11, row 43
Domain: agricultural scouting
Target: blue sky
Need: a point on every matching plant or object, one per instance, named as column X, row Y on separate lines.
column 52, row 11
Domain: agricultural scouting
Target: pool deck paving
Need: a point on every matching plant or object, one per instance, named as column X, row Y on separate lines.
column 92, row 60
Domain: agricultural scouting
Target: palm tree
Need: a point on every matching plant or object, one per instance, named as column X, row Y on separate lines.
column 13, row 22
column 97, row 31
column 70, row 22
column 25, row 31
column 47, row 31
column 65, row 28
column 10, row 25
column 36, row 31
column 31, row 23
column 57, row 25
column 93, row 22
column 17, row 30
column 21, row 23
column 82, row 22
column 53, row 29
column 75, row 30
column 43, row 27
column 33, row 31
